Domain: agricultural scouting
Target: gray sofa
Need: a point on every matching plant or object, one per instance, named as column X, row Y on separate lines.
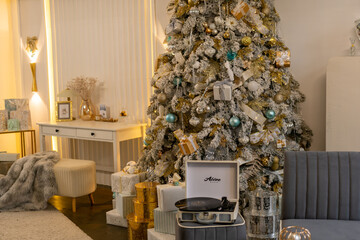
column 321, row 192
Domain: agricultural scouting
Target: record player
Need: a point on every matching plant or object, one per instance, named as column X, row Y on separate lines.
column 212, row 192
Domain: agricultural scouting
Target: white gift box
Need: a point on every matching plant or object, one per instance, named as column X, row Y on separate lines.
column 165, row 221
column 222, row 92
column 122, row 182
column 153, row 235
column 124, row 204
column 114, row 218
column 174, row 27
column 168, row 195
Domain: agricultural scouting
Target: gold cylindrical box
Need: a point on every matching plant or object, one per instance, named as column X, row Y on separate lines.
column 146, row 192
column 137, row 230
column 144, row 210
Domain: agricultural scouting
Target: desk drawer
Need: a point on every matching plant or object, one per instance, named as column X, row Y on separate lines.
column 94, row 134
column 59, row 131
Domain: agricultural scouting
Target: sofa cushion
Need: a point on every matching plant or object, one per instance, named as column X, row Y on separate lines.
column 327, row 229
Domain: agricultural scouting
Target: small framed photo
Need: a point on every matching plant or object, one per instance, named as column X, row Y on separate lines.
column 63, row 111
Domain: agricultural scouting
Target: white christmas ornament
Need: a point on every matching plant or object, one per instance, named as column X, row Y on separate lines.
column 253, row 86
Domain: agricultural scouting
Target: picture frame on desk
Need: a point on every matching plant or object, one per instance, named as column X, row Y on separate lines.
column 64, row 111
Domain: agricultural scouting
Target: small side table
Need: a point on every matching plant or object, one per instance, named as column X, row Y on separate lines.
column 22, row 140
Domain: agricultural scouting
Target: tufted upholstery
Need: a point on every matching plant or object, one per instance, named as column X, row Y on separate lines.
column 321, row 185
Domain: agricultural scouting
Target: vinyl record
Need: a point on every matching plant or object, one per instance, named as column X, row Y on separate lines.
column 198, row 204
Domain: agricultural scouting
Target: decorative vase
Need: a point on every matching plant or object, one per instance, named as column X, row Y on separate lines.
column 87, row 110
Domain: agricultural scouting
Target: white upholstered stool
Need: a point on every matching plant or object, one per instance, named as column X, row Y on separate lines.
column 75, row 178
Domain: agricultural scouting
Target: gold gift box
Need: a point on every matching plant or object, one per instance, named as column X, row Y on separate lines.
column 240, row 10
column 282, row 59
column 144, row 210
column 137, row 229
column 146, row 192
column 188, row 145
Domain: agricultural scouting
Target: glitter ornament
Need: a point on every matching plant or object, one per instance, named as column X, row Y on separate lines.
column 177, row 81
column 171, row 118
column 279, row 98
column 234, row 121
column 265, row 161
column 194, row 121
column 231, row 55
column 270, row 114
column 246, row 41
column 161, row 97
column 226, row 35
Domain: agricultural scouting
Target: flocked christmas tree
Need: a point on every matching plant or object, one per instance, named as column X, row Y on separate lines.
column 223, row 91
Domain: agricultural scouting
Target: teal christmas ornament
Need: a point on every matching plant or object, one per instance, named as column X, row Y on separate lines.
column 231, row 55
column 270, row 114
column 171, row 118
column 168, row 38
column 145, row 143
column 234, row 121
column 177, row 81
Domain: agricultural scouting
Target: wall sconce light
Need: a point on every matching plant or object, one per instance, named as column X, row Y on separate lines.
column 33, row 53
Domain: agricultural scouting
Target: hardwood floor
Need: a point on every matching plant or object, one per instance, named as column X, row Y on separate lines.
column 92, row 219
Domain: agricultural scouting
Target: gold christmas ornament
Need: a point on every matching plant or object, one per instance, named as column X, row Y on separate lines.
column 205, row 25
column 275, row 165
column 246, row 41
column 227, row 35
column 279, row 98
column 161, row 97
column 272, row 42
column 208, row 30
column 265, row 161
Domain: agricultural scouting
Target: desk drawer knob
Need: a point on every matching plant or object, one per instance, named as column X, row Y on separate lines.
column 92, row 134
column 57, row 130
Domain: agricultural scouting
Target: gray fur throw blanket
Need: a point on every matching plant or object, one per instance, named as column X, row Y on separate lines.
column 29, row 183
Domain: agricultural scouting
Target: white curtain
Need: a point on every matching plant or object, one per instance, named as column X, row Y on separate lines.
column 112, row 40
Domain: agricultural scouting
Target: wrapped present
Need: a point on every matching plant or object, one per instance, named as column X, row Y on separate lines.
column 4, row 115
column 137, row 229
column 146, row 192
column 13, row 125
column 240, row 10
column 114, row 218
column 168, row 195
column 165, row 221
column 258, row 118
column 266, row 135
column 122, row 182
column 174, row 27
column 257, row 21
column 188, row 145
column 17, row 104
column 179, row 134
column 154, row 235
column 124, row 204
column 223, row 90
column 144, row 210
column 281, row 142
column 282, row 59
column 24, row 118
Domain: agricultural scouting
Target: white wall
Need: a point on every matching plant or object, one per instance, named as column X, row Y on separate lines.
column 315, row 31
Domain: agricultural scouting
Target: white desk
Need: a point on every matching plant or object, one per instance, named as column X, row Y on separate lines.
column 94, row 131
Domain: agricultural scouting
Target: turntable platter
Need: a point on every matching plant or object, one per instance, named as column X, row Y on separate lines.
column 198, row 204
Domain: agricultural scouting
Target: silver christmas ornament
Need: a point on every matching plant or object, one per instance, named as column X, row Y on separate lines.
column 244, row 140
column 215, row 32
column 207, row 109
column 194, row 121
column 199, row 110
